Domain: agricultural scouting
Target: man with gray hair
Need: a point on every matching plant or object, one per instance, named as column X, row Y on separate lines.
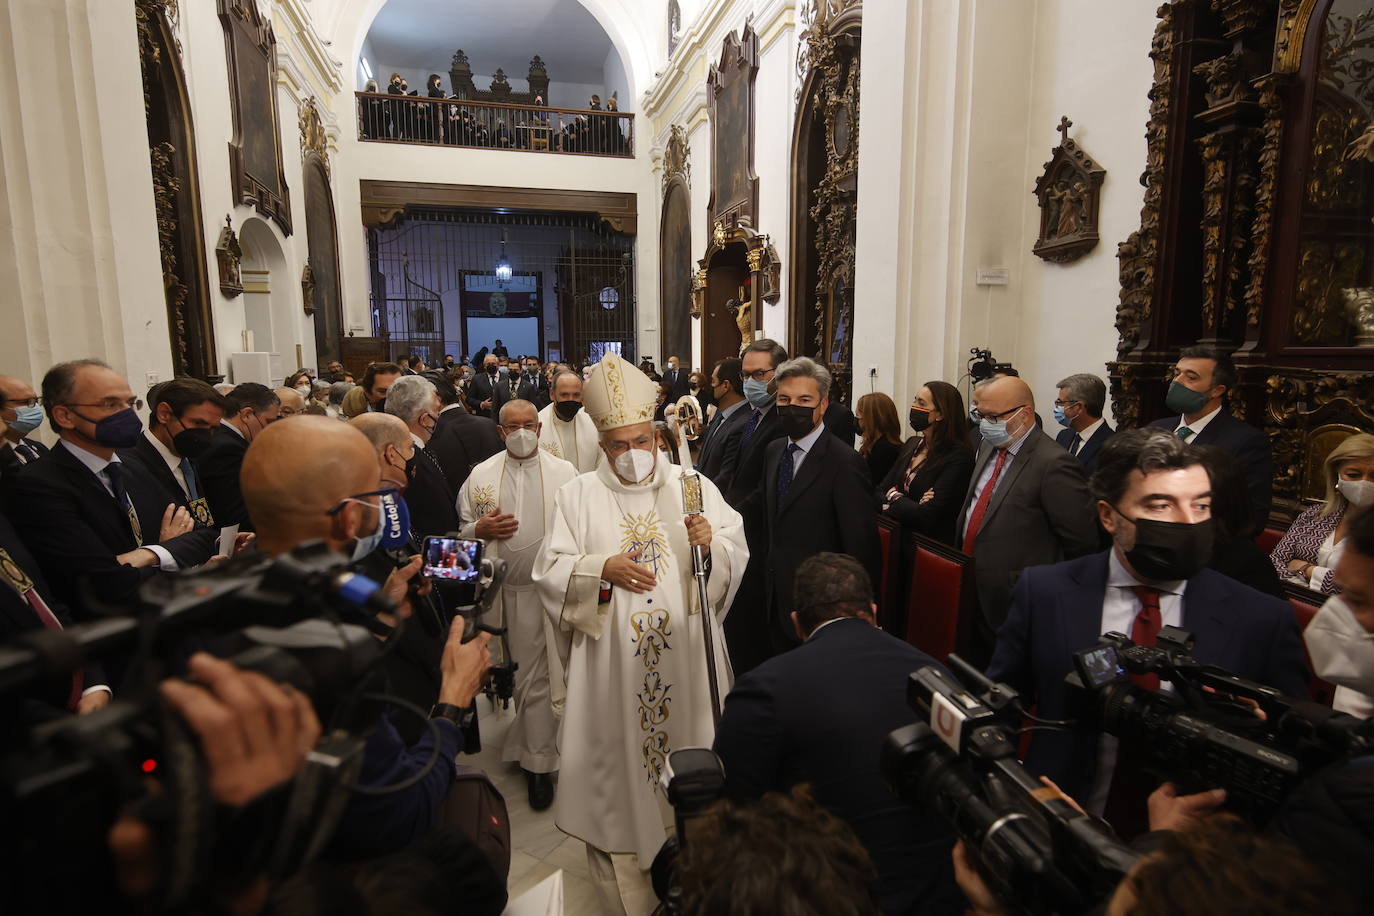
column 429, row 496
column 1082, row 398
column 817, row 496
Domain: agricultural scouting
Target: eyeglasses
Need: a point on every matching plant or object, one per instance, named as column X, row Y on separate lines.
column 360, row 497
column 513, row 427
column 29, row 402
column 977, row 414
column 760, row 375
column 113, row 404
column 1059, row 403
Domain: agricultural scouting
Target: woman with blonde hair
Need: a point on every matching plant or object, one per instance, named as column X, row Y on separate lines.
column 876, row 418
column 354, row 403
column 1309, row 551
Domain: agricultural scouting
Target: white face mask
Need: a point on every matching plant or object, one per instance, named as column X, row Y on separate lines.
column 521, row 443
column 635, row 464
column 1358, row 493
column 1342, row 650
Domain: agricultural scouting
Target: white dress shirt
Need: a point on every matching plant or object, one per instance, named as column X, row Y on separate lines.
column 97, row 466
column 1088, row 432
column 1120, row 606
column 1196, row 426
column 804, row 446
column 173, row 461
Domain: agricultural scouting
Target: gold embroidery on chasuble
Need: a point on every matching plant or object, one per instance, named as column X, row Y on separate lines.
column 483, row 500
column 552, row 449
column 649, row 630
column 645, row 533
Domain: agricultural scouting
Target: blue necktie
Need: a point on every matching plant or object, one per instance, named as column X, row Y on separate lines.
column 785, row 470
column 188, row 473
column 28, row 451
column 116, row 475
column 749, row 428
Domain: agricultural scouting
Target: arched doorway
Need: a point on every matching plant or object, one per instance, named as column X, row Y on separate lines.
column 269, row 297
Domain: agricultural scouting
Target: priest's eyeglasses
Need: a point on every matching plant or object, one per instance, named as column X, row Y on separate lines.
column 531, row 425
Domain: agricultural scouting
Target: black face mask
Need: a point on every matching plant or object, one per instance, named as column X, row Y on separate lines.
column 1168, row 551
column 192, row 442
column 796, row 420
column 919, row 419
column 566, row 410
column 492, row 370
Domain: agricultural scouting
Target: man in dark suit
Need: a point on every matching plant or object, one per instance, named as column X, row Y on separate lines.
column 90, row 519
column 732, row 411
column 461, row 441
column 1202, row 378
column 678, row 379
column 429, row 495
column 516, row 385
column 1027, row 503
column 20, row 415
column 793, row 720
column 1079, row 407
column 1154, row 499
column 534, row 373
column 247, row 411
column 742, row 465
column 817, row 496
column 500, row 349
column 183, row 416
column 839, row 420
column 488, row 391
column 378, row 378
column 27, row 604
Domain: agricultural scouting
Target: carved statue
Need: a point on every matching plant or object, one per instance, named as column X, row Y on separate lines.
column 1359, row 303
column 744, row 320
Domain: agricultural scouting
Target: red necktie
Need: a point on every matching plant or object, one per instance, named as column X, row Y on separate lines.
column 975, row 520
column 1145, row 629
column 50, row 621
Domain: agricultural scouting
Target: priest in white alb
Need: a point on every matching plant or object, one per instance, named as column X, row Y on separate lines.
column 565, row 430
column 506, row 502
column 616, row 571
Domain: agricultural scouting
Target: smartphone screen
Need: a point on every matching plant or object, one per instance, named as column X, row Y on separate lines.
column 456, row 559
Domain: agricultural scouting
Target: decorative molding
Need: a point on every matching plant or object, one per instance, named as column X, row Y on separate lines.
column 383, row 201
column 229, row 258
column 1069, row 193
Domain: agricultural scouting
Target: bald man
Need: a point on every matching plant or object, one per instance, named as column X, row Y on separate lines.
column 1027, row 504
column 292, row 404
column 316, row 479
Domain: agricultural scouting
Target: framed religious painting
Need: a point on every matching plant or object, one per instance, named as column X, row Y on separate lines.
column 255, row 155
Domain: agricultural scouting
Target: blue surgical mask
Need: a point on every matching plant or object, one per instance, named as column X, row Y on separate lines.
column 30, row 418
column 994, row 431
column 757, row 393
column 393, row 526
column 1059, row 416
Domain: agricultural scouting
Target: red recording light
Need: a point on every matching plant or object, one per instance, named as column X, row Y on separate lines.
column 149, row 765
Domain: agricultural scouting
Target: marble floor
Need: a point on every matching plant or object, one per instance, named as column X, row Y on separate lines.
column 539, row 848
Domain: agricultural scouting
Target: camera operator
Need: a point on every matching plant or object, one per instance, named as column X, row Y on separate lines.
column 783, row 725
column 316, row 479
column 1215, row 869
column 1154, row 499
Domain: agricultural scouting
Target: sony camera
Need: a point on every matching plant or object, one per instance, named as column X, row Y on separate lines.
column 1214, row 729
column 1034, row 849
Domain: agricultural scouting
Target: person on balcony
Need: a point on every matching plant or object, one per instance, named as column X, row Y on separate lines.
column 374, row 115
column 430, row 114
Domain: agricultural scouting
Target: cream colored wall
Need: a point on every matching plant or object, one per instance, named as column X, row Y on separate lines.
column 976, row 89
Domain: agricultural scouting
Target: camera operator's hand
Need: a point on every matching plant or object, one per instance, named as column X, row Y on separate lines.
column 96, row 699
column 982, row 901
column 465, row 666
column 253, row 732
column 397, row 587
column 1171, row 811
column 496, row 525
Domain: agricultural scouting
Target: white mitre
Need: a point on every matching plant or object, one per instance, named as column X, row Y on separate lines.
column 617, row 394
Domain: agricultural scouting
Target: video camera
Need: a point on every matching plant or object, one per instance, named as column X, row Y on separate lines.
column 64, row 781
column 693, row 781
column 982, row 366
column 1214, row 730
column 1036, row 850
column 470, row 583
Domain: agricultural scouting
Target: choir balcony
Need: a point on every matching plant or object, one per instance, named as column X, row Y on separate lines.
column 475, row 124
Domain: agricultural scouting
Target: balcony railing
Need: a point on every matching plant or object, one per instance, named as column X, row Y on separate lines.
column 385, row 118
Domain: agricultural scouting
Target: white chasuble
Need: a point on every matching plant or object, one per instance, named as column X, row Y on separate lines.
column 525, row 488
column 637, row 684
column 577, row 441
